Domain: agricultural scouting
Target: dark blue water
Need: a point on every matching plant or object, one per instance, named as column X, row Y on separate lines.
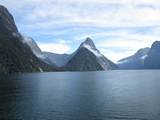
column 112, row 95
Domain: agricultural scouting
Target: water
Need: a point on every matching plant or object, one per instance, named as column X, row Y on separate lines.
column 112, row 95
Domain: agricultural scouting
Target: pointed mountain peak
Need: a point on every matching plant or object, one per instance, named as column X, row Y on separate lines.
column 88, row 42
column 89, row 45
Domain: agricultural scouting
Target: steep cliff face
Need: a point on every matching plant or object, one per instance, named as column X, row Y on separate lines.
column 16, row 56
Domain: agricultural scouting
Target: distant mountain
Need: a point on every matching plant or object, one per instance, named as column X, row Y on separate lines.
column 52, row 59
column 88, row 58
column 15, row 55
column 147, row 58
column 135, row 61
column 59, row 60
column 152, row 60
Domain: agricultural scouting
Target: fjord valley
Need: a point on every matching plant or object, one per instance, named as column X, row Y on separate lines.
column 86, row 84
column 22, row 54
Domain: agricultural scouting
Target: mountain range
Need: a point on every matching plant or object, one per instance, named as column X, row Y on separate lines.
column 135, row 61
column 146, row 58
column 86, row 58
column 22, row 54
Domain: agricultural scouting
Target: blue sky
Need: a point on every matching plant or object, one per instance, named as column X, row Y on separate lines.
column 118, row 27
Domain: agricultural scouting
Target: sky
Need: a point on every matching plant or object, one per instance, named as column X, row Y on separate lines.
column 118, row 27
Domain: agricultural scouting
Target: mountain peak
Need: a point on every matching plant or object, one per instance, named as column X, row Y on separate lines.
column 89, row 45
column 88, row 42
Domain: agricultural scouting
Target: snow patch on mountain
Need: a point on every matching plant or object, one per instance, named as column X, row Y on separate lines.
column 144, row 57
column 93, row 50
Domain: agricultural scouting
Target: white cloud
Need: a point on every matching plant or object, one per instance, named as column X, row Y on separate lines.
column 47, row 13
column 97, row 13
column 59, row 48
column 115, row 56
